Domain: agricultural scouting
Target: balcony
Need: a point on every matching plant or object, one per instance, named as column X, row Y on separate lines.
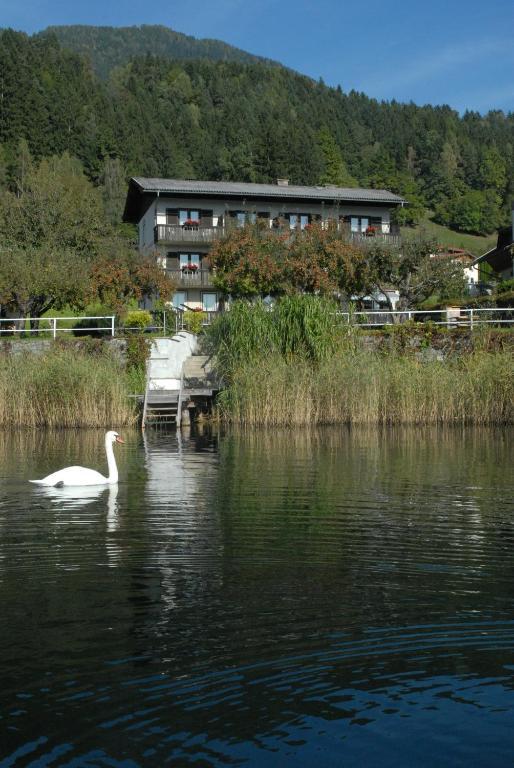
column 174, row 233
column 180, row 235
column 384, row 238
column 183, row 278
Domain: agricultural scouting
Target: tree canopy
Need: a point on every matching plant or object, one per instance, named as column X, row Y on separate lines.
column 251, row 262
column 59, row 248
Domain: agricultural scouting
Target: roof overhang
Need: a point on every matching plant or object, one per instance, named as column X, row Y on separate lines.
column 498, row 258
column 142, row 191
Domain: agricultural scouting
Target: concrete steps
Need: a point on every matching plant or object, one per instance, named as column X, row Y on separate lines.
column 180, row 382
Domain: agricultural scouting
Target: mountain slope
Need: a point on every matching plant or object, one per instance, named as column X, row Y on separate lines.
column 109, row 47
column 249, row 122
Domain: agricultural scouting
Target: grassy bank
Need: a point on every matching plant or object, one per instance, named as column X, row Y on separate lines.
column 66, row 387
column 297, row 373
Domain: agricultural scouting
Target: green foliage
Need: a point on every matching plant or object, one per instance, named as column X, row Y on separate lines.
column 335, row 170
column 137, row 320
column 241, row 334
column 218, row 113
column 428, row 229
column 306, row 327
column 415, row 270
column 137, row 351
column 193, row 321
column 136, row 355
column 110, row 47
column 472, row 211
column 505, row 286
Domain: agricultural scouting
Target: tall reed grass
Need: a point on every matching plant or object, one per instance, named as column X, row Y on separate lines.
column 64, row 388
column 369, row 388
column 296, row 364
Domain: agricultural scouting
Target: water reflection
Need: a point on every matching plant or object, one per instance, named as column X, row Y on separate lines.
column 74, row 497
column 324, row 597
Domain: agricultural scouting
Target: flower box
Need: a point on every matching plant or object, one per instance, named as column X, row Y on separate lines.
column 189, row 267
column 370, row 231
column 191, row 223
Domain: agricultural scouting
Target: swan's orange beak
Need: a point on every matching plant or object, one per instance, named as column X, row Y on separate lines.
column 119, row 439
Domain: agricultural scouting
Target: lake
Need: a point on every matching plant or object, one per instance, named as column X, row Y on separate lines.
column 309, row 598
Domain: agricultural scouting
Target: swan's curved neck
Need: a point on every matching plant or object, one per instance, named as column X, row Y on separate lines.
column 111, row 462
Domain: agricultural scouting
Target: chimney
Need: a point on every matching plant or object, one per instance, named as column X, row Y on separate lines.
column 283, row 182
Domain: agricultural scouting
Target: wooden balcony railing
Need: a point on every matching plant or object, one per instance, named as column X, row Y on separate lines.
column 201, row 278
column 171, row 233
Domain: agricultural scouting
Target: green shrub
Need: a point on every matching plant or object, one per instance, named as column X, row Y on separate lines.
column 193, row 321
column 505, row 286
column 137, row 320
column 137, row 351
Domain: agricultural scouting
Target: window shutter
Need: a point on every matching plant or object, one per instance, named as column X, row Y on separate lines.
column 206, row 218
column 172, row 216
column 172, row 260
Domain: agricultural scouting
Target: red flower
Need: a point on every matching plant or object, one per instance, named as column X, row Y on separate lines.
column 191, row 223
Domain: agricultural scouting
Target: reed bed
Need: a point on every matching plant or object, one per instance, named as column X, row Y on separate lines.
column 368, row 388
column 297, row 364
column 64, row 388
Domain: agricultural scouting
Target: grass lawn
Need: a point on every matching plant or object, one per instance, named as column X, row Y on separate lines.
column 475, row 244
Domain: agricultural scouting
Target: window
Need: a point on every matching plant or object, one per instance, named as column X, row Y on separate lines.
column 189, row 259
column 298, row 220
column 362, row 223
column 179, row 299
column 209, row 302
column 188, row 215
column 243, row 217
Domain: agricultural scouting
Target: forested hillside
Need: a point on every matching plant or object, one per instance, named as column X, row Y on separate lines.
column 110, row 47
column 247, row 121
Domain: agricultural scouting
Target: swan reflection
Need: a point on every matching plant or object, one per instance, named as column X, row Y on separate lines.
column 71, row 498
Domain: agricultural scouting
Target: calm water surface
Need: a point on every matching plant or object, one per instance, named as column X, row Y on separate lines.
column 327, row 598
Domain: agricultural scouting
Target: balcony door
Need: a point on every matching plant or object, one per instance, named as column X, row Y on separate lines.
column 210, row 302
column 189, row 261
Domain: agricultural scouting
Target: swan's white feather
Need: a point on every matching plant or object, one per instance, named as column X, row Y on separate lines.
column 73, row 476
column 77, row 476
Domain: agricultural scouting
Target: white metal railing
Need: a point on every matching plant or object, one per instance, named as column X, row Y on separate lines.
column 208, row 316
column 451, row 317
column 172, row 321
column 54, row 325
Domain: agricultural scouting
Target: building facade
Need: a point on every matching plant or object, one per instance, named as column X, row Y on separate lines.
column 179, row 220
column 498, row 263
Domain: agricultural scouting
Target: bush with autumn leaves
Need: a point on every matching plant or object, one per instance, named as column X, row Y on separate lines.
column 256, row 261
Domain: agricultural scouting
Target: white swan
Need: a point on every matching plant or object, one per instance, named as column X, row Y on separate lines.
column 83, row 476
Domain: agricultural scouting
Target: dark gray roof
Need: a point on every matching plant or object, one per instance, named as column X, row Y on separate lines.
column 242, row 189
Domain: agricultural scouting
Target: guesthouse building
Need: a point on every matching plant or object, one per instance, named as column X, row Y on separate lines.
column 179, row 220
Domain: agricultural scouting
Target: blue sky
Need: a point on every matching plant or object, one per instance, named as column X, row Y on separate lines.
column 456, row 52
